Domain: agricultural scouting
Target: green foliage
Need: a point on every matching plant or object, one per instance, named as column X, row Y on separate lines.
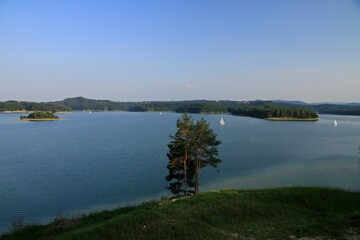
column 39, row 115
column 206, row 107
column 205, row 149
column 326, row 108
column 317, row 213
column 31, row 106
column 337, row 109
column 195, row 106
column 194, row 146
column 274, row 112
column 180, row 166
column 80, row 103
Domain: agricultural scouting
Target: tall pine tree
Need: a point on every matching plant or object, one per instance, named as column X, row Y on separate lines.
column 193, row 147
column 205, row 149
column 180, row 155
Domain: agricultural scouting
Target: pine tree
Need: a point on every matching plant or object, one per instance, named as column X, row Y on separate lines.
column 205, row 148
column 180, row 155
column 192, row 147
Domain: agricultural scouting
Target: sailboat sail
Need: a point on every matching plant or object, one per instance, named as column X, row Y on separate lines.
column 222, row 122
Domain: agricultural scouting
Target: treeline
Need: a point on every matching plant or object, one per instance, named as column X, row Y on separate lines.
column 195, row 106
column 206, row 107
column 32, row 106
column 274, row 112
column 192, row 106
column 326, row 108
column 39, row 115
column 338, row 109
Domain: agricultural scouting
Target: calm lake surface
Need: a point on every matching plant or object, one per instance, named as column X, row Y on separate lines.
column 91, row 162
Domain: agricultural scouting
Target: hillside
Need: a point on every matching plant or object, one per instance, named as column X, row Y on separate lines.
column 190, row 106
column 32, row 106
column 323, row 108
column 282, row 213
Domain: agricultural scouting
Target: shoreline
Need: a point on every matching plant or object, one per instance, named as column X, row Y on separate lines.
column 25, row 111
column 150, row 218
column 292, row 119
column 17, row 111
column 42, row 119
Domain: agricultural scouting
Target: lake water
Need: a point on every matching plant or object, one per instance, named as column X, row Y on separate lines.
column 91, row 162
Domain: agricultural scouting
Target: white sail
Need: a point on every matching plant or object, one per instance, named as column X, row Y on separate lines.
column 222, row 122
column 335, row 123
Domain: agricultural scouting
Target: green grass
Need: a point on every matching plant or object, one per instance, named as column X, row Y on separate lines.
column 229, row 214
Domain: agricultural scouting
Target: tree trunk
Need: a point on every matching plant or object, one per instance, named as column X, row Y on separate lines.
column 186, row 193
column 185, row 176
column 196, row 176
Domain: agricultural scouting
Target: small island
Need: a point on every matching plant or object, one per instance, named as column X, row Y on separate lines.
column 40, row 116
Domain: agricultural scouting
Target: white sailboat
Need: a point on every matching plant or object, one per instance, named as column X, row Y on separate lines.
column 90, row 112
column 160, row 113
column 335, row 123
column 222, row 122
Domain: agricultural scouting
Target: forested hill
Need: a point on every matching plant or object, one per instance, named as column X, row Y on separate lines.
column 192, row 106
column 32, row 106
column 349, row 109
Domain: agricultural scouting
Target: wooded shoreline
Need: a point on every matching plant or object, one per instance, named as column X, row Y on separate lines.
column 31, row 111
column 189, row 106
column 42, row 119
column 293, row 119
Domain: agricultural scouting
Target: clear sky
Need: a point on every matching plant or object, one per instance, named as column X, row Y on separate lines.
column 173, row 50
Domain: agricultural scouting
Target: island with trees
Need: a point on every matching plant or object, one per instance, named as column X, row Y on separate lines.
column 40, row 116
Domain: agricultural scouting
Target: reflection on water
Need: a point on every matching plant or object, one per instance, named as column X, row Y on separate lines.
column 323, row 173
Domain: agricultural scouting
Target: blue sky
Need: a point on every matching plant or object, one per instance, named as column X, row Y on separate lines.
column 174, row 50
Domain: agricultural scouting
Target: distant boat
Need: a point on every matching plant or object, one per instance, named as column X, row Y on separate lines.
column 90, row 112
column 160, row 113
column 222, row 122
column 335, row 123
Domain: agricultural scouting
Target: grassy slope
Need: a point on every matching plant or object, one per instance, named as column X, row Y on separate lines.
column 230, row 214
